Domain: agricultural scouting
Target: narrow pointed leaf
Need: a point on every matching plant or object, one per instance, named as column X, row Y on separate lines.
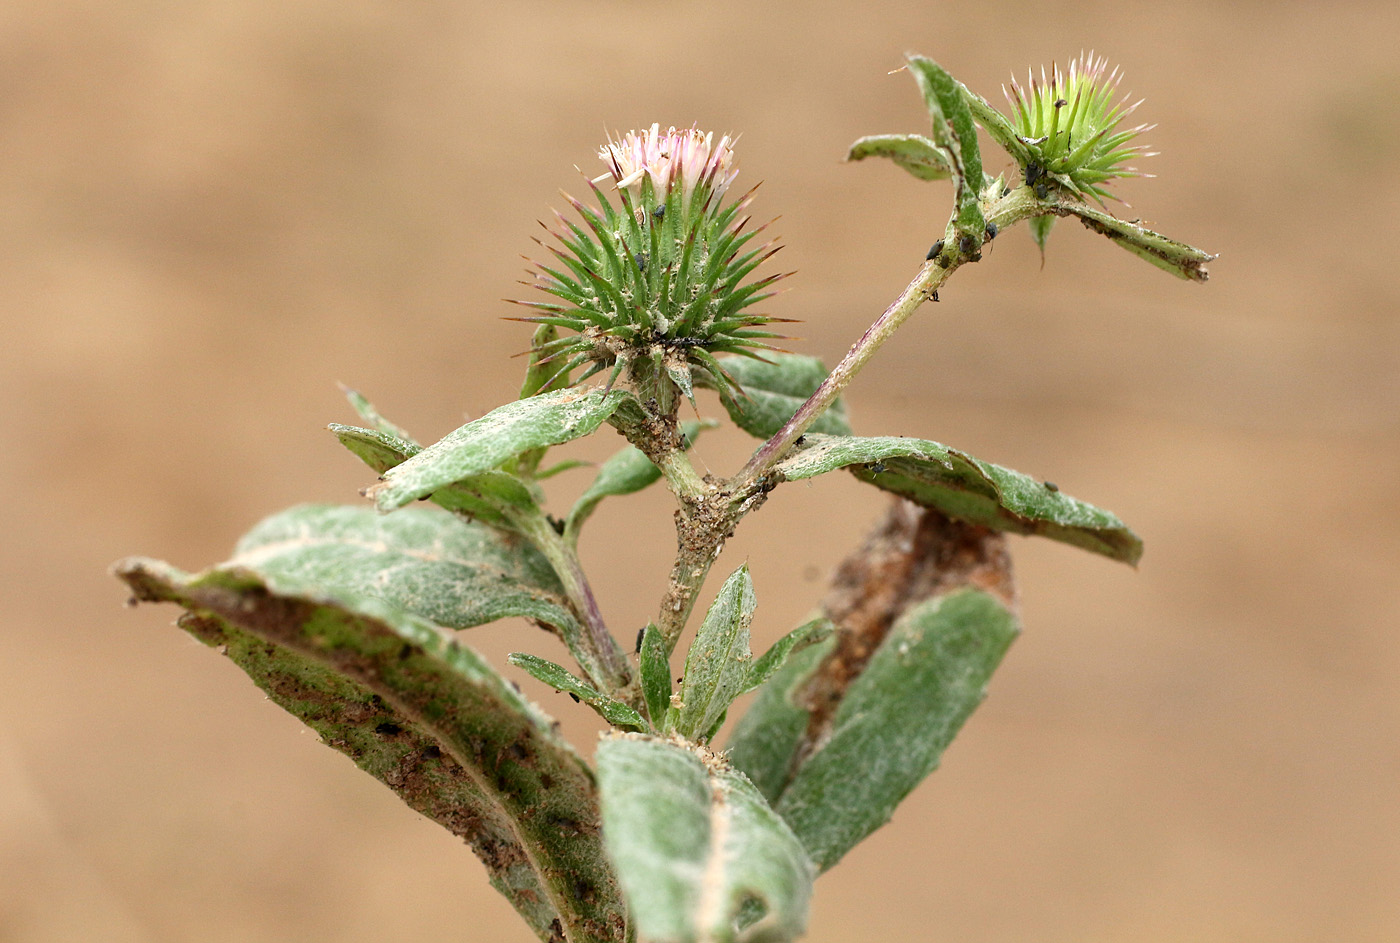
column 423, row 714
column 1040, row 227
column 719, row 662
column 696, row 848
column 966, row 488
column 561, row 679
column 765, row 666
column 655, row 671
column 488, row 497
column 997, row 125
column 774, row 392
column 485, row 443
column 895, row 720
column 1178, row 258
column 954, row 132
column 371, row 415
column 913, row 152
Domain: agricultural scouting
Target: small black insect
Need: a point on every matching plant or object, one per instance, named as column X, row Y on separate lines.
column 935, row 251
column 934, row 296
column 556, row 523
column 640, row 632
column 967, row 245
column 1033, row 173
column 800, row 439
column 659, row 212
column 991, row 231
column 641, row 261
column 1051, row 486
column 574, row 696
column 877, row 467
column 1041, row 191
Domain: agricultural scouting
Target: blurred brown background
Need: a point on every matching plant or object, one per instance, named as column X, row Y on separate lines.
column 213, row 211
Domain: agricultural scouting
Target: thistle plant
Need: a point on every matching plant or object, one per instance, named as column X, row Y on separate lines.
column 680, row 831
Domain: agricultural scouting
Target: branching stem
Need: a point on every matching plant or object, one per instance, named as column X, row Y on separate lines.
column 710, row 511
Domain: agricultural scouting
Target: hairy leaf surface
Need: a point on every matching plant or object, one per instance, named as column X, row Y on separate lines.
column 696, row 847
column 425, row 715
column 966, row 488
column 775, row 391
column 485, row 443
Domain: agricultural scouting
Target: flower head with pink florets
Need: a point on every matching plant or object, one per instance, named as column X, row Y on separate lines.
column 654, row 287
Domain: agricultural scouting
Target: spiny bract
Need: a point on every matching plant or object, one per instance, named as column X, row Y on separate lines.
column 1069, row 124
column 653, row 287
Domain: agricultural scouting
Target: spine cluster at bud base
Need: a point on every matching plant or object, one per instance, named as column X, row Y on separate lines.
column 1069, row 122
column 652, row 286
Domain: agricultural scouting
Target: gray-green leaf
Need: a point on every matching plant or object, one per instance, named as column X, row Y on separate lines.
column 437, row 566
column 423, row 714
column 799, row 638
column 561, row 679
column 966, row 488
column 913, row 152
column 775, row 391
column 372, row 416
column 718, row 665
column 1181, row 260
column 696, row 847
column 485, row 443
column 655, row 671
column 956, row 135
column 890, row 729
column 492, row 497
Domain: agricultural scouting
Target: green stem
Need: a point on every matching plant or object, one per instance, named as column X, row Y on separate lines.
column 1017, row 205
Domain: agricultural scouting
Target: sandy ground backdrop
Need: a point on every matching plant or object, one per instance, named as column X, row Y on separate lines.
column 210, row 212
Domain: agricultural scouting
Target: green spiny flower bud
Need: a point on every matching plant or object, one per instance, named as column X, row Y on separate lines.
column 653, row 287
column 1069, row 123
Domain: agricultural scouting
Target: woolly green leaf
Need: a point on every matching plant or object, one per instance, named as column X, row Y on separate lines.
column 895, row 720
column 371, row 415
column 423, row 714
column 561, row 679
column 913, row 152
column 436, row 566
column 655, row 671
column 718, row 665
column 955, row 133
column 967, row 489
column 1178, row 258
column 485, row 443
column 999, row 127
column 1040, row 231
column 487, row 497
column 696, row 848
column 799, row 638
column 774, row 392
